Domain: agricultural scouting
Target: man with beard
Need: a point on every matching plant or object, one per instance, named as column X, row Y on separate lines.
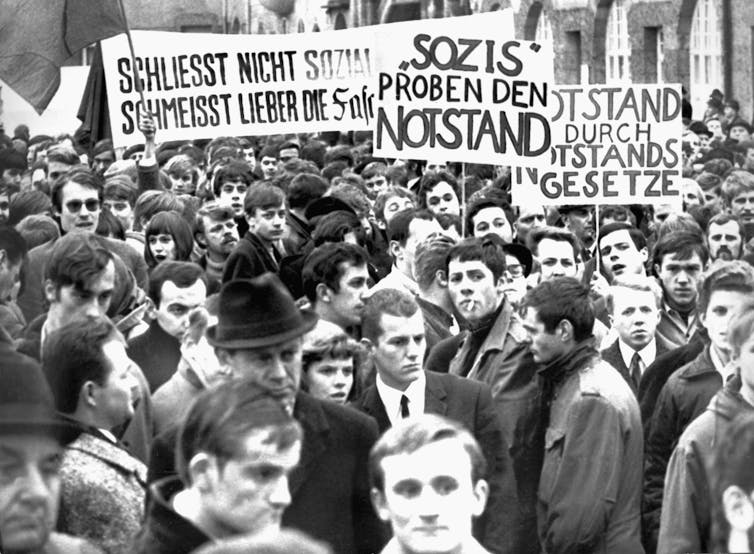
column 679, row 259
column 725, row 237
column 215, row 231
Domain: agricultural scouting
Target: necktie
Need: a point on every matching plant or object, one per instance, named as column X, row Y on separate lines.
column 404, row 406
column 635, row 369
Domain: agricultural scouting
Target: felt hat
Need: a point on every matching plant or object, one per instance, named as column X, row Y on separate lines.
column 26, row 401
column 258, row 312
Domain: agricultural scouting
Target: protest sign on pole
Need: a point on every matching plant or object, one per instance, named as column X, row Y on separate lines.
column 463, row 89
column 611, row 144
column 208, row 85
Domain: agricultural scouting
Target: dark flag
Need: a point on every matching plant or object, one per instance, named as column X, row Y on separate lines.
column 93, row 110
column 37, row 36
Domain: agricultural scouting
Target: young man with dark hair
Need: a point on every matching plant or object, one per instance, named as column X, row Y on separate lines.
column 622, row 250
column 258, row 250
column 405, row 231
column 304, row 189
column 12, row 255
column 119, row 196
column 269, row 161
column 236, row 449
column 94, row 384
column 438, row 193
column 687, row 503
column 335, row 279
column 723, row 290
column 216, row 232
column 375, row 179
column 230, row 182
column 493, row 351
column 425, row 452
column 490, row 215
column 391, row 201
column 590, row 413
column 393, row 330
column 175, row 289
column 679, row 258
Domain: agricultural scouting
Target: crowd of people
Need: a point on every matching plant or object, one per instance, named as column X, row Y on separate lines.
column 286, row 344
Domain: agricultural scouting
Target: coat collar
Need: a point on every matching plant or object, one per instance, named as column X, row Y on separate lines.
column 98, row 447
column 699, row 366
column 311, row 415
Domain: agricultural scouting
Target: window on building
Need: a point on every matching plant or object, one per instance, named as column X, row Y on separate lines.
column 653, row 54
column 705, row 51
column 544, row 28
column 617, row 45
column 571, row 60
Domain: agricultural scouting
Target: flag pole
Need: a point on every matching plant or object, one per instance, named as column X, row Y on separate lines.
column 137, row 80
column 463, row 199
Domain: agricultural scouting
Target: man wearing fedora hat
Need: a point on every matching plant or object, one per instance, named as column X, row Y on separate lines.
column 259, row 337
column 32, row 438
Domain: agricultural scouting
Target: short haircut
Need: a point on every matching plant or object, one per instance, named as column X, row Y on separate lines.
column 373, row 169
column 353, row 195
column 220, row 420
column 183, row 274
column 233, row 170
column 409, row 435
column 736, row 182
column 110, row 226
column 637, row 237
column 82, row 176
column 335, row 226
column 323, row 265
column 12, row 242
column 270, row 151
column 734, row 275
column 563, row 298
column 556, row 234
column 430, row 257
column 120, row 188
column 731, row 467
column 27, row 202
column 173, row 224
column 38, row 229
column 431, row 179
column 487, row 249
column 683, row 244
column 387, row 194
column 305, row 188
column 180, row 164
column 633, row 282
column 76, row 259
column 397, row 229
column 262, row 197
column 336, row 347
column 72, row 355
column 741, row 327
column 722, row 219
column 397, row 175
column 64, row 155
column 333, row 169
column 488, row 202
column 618, row 213
column 679, row 222
column 385, row 301
column 152, row 202
column 215, row 212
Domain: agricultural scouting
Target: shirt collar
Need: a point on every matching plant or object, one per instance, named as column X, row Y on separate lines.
column 725, row 370
column 391, row 398
column 646, row 354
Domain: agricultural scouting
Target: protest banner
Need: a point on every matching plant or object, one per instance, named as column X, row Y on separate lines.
column 611, row 144
column 208, row 85
column 463, row 89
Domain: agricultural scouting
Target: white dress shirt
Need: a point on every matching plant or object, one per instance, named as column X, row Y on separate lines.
column 391, row 398
column 647, row 354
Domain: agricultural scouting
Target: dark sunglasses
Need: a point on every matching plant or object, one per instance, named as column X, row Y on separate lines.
column 74, row 206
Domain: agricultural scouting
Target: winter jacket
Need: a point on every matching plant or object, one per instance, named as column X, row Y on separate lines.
column 686, row 502
column 683, row 398
column 589, row 497
column 250, row 258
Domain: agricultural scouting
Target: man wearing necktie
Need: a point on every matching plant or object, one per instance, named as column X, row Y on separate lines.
column 393, row 330
column 633, row 305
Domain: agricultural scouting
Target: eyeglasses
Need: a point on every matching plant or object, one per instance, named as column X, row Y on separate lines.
column 516, row 270
column 74, row 206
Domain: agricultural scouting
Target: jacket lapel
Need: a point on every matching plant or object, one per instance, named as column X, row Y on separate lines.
column 316, row 430
column 371, row 404
column 434, row 395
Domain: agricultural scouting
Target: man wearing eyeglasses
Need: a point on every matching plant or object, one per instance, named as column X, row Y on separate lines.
column 76, row 204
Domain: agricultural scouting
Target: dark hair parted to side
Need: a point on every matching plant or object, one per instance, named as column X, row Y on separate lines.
column 76, row 259
column 262, row 197
column 487, row 249
column 80, row 175
column 220, row 420
column 323, row 265
column 480, row 204
column 555, row 234
column 734, row 275
column 305, row 188
column 335, row 226
column 233, row 170
column 173, row 224
column 72, row 355
column 409, row 435
column 562, row 298
column 637, row 237
column 27, row 202
column 683, row 244
column 183, row 274
column 386, row 301
column 152, row 202
column 430, row 180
